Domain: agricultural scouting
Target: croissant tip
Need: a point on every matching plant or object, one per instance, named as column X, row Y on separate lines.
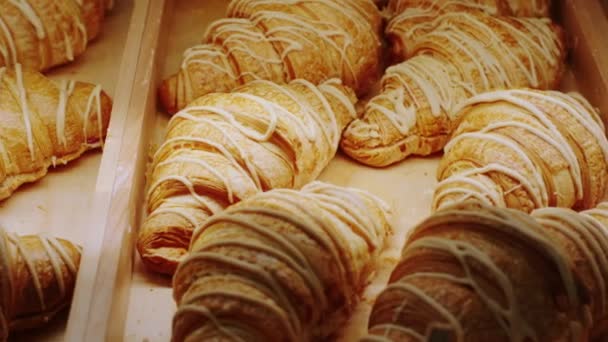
column 163, row 260
column 167, row 94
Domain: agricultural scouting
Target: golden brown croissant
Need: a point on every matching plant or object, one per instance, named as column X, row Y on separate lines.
column 476, row 273
column 465, row 54
column 283, row 265
column 525, row 149
column 520, row 8
column 584, row 238
column 281, row 41
column 43, row 33
column 38, row 276
column 225, row 147
column 44, row 124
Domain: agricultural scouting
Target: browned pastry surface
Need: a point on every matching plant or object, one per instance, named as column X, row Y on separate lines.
column 477, row 273
column 281, row 41
column 525, row 149
column 38, row 276
column 283, row 265
column 462, row 54
column 44, row 124
column 226, row 147
column 40, row 34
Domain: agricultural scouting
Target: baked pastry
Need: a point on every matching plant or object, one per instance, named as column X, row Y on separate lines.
column 584, row 237
column 225, row 147
column 281, row 41
column 477, row 273
column 46, row 33
column 525, row 149
column 93, row 14
column 520, row 8
column 44, row 124
column 284, row 265
column 414, row 112
column 38, row 276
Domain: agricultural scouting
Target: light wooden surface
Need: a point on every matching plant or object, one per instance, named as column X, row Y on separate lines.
column 60, row 203
column 105, row 248
column 142, row 304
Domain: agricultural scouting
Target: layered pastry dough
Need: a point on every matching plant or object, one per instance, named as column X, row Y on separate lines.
column 280, row 41
column 38, row 276
column 45, row 33
column 44, row 124
column 477, row 273
column 525, row 149
column 225, row 147
column 284, row 265
column 521, row 8
column 465, row 53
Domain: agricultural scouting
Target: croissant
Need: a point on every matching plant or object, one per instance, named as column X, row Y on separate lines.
column 477, row 273
column 38, row 276
column 584, row 237
column 225, row 147
column 525, row 149
column 465, row 54
column 520, row 8
column 283, row 265
column 44, row 124
column 43, row 34
column 281, row 41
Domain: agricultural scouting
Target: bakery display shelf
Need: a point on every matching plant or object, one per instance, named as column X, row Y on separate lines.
column 122, row 301
column 60, row 204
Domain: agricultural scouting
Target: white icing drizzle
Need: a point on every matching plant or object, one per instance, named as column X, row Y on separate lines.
column 469, row 44
column 94, row 96
column 541, row 188
column 289, row 36
column 340, row 223
column 31, row 15
column 445, row 313
column 248, row 168
column 440, row 6
column 430, row 76
column 9, row 52
column 309, row 127
column 207, row 202
column 30, row 266
column 584, row 234
column 485, row 193
column 25, row 110
column 65, row 91
column 191, row 219
column 190, row 309
column 510, row 316
column 545, row 130
column 204, row 165
column 556, row 141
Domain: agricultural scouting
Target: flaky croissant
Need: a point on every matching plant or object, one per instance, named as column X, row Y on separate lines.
column 465, row 54
column 225, row 147
column 476, row 273
column 38, row 276
column 46, row 33
column 520, row 8
column 525, row 149
column 44, row 124
column 280, row 41
column 284, row 265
